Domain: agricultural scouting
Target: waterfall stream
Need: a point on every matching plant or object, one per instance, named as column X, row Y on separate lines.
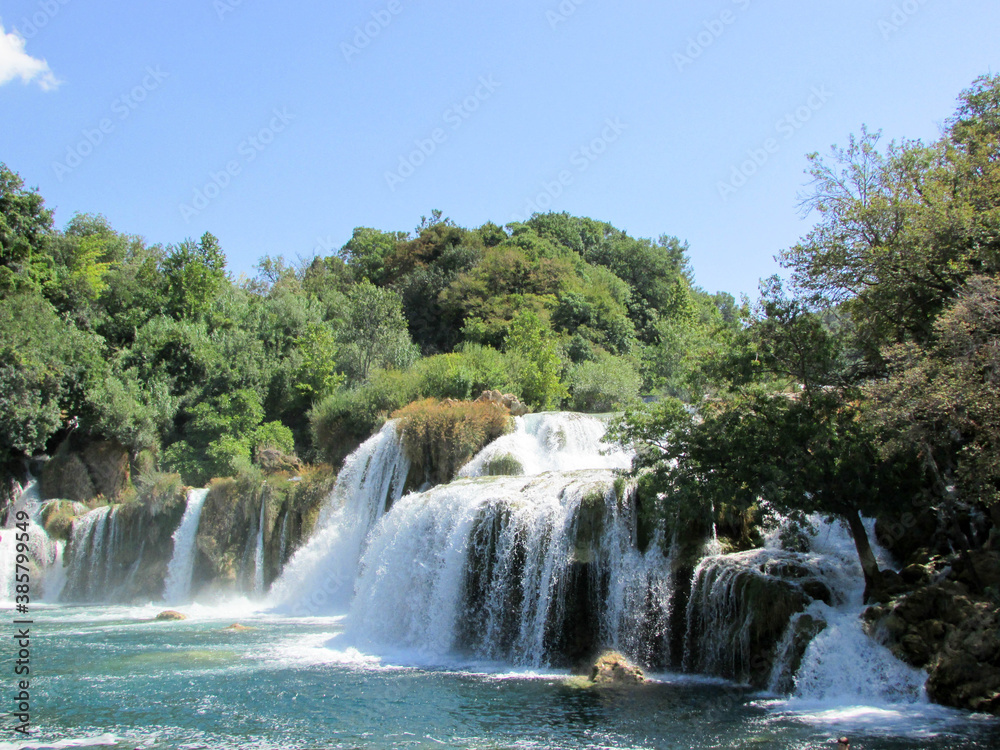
column 177, row 587
column 319, row 578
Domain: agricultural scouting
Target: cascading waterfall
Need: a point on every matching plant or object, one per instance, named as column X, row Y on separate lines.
column 319, row 578
column 529, row 569
column 843, row 663
column 177, row 586
column 89, row 569
column 44, row 555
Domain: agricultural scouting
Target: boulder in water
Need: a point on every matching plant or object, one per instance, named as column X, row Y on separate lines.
column 170, row 614
column 613, row 669
column 237, row 627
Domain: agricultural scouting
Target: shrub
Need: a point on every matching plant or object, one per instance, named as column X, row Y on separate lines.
column 603, row 385
column 441, row 436
column 341, row 422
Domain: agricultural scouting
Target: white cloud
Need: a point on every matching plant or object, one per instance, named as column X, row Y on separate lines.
column 16, row 63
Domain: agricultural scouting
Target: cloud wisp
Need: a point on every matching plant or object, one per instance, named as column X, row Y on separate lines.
column 15, row 62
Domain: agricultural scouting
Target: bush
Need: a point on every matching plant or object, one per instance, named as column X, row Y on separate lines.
column 441, row 436
column 341, row 422
column 603, row 385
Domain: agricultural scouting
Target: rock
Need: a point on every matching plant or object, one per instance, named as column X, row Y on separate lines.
column 65, row 476
column 108, row 464
column 97, row 468
column 613, row 669
column 509, row 400
column 951, row 633
column 272, row 460
column 170, row 614
column 237, row 627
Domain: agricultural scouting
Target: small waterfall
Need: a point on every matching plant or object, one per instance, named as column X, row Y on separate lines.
column 44, row 554
column 177, row 586
column 550, row 441
column 89, row 569
column 283, row 548
column 319, row 578
column 258, row 554
column 843, row 664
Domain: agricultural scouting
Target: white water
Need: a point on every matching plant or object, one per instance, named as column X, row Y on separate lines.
column 552, row 441
column 842, row 665
column 489, row 565
column 88, row 566
column 518, row 530
column 258, row 554
column 43, row 554
column 177, row 586
column 319, row 578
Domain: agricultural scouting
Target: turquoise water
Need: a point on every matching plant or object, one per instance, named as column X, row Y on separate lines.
column 110, row 677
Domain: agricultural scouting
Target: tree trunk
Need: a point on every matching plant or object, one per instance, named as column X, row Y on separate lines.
column 869, row 565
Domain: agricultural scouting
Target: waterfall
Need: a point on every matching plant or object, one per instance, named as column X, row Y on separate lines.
column 844, row 664
column 43, row 554
column 532, row 569
column 550, row 441
column 177, row 586
column 89, row 568
column 258, row 555
column 284, row 539
column 319, row 578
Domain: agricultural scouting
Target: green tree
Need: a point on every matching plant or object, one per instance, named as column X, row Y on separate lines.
column 195, row 274
column 538, row 363
column 25, row 226
column 375, row 332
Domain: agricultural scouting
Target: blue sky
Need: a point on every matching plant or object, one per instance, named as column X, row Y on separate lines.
column 280, row 127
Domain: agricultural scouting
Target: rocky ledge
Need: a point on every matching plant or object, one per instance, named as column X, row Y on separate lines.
column 944, row 618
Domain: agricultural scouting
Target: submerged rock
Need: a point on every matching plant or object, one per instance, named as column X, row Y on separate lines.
column 613, row 669
column 170, row 614
column 237, row 627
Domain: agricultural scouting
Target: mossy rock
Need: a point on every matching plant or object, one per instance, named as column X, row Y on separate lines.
column 612, row 669
column 170, row 614
column 503, row 465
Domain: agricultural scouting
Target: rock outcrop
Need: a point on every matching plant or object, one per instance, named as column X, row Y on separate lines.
column 84, row 470
column 948, row 623
column 611, row 669
column 508, row 400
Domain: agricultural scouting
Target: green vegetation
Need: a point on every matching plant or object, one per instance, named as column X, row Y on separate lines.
column 873, row 387
column 194, row 371
column 441, row 436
